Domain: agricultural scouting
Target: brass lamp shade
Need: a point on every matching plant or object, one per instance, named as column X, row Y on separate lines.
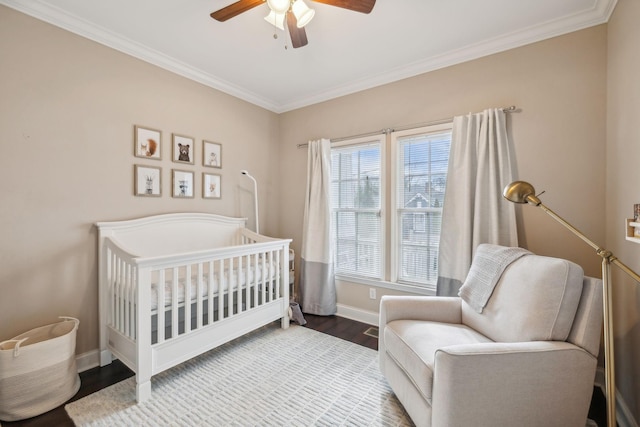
column 521, row 192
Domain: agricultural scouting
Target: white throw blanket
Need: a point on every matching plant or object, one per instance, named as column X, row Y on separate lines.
column 489, row 263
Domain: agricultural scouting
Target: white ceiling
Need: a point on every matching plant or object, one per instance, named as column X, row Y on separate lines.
column 347, row 51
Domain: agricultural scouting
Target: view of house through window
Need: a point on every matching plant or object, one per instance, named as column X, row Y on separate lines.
column 417, row 178
column 420, row 177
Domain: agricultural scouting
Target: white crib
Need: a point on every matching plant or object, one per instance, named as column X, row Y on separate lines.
column 173, row 286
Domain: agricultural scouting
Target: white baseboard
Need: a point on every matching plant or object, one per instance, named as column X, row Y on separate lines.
column 364, row 316
column 88, row 360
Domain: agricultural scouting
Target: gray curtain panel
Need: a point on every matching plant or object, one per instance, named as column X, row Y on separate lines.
column 474, row 210
column 317, row 282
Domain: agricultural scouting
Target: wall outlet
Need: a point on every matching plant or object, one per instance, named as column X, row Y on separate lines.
column 372, row 293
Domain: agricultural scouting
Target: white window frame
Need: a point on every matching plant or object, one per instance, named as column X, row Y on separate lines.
column 389, row 220
column 381, row 140
column 394, row 232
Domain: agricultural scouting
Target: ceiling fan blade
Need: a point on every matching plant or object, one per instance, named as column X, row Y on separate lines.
column 298, row 35
column 235, row 9
column 363, row 6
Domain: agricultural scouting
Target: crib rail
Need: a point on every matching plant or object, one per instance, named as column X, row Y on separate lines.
column 186, row 292
column 121, row 276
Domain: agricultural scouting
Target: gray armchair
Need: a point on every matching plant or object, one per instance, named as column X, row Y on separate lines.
column 527, row 359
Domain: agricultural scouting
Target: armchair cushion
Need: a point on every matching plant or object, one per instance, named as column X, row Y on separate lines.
column 412, row 344
column 535, row 299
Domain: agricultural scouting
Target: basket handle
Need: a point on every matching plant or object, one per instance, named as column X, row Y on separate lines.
column 70, row 318
column 16, row 348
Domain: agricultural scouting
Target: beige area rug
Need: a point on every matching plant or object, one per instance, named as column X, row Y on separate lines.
column 270, row 377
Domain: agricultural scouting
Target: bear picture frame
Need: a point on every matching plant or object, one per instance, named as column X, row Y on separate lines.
column 183, row 149
column 147, row 142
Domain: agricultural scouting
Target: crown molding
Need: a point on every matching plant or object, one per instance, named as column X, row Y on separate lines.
column 598, row 14
column 81, row 27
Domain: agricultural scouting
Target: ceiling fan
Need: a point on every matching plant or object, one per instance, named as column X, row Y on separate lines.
column 295, row 13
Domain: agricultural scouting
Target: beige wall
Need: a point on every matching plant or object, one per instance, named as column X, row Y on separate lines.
column 623, row 176
column 67, row 111
column 558, row 137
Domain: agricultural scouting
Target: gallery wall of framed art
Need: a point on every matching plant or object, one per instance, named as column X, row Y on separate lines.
column 148, row 180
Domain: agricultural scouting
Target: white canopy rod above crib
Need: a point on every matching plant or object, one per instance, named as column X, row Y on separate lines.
column 510, row 109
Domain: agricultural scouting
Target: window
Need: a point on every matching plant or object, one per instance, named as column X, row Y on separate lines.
column 356, row 208
column 420, row 176
column 413, row 193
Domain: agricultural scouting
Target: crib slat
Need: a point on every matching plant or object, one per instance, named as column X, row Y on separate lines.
column 210, row 294
column 134, row 298
column 109, row 273
column 116, row 294
column 276, row 268
column 131, row 307
column 230, row 287
column 123, row 297
column 127, row 299
column 221, row 286
column 246, row 297
column 130, row 314
column 120, row 299
column 264, row 281
column 247, row 283
column 160, row 304
column 199, row 312
column 112, row 291
column 187, row 300
column 270, row 282
column 174, row 303
column 116, row 287
column 239, row 288
column 256, row 268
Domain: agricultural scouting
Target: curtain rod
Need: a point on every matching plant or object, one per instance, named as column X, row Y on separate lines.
column 510, row 109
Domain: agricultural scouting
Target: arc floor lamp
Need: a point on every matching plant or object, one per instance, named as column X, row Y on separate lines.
column 523, row 192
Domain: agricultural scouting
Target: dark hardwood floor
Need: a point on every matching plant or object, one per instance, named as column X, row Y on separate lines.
column 350, row 330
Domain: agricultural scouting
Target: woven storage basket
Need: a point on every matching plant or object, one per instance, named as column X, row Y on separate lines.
column 38, row 370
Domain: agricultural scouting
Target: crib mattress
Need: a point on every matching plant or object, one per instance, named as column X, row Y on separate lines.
column 238, row 277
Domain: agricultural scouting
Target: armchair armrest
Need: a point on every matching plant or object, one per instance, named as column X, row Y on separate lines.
column 524, row 384
column 435, row 309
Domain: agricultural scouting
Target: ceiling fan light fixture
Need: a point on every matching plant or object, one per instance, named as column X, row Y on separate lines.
column 279, row 6
column 276, row 19
column 302, row 12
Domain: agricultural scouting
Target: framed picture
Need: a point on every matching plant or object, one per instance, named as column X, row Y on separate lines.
column 147, row 142
column 211, row 186
column 182, row 184
column 211, row 154
column 183, row 149
column 147, row 181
